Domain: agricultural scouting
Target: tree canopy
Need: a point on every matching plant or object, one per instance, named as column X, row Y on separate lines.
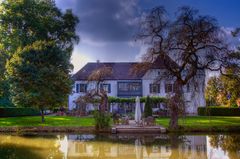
column 194, row 42
column 24, row 22
column 39, row 76
column 36, row 41
column 223, row 90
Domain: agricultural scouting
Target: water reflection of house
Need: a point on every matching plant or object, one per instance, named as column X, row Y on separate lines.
column 84, row 147
column 194, row 147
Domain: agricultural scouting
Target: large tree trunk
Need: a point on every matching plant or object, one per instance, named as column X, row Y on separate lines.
column 173, row 124
column 176, row 104
column 104, row 102
column 42, row 114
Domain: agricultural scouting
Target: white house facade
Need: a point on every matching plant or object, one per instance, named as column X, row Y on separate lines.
column 123, row 84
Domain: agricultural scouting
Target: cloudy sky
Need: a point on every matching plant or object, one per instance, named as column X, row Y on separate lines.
column 107, row 27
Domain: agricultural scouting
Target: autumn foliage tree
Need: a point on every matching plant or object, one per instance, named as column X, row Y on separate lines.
column 213, row 91
column 228, row 143
column 194, row 42
column 224, row 89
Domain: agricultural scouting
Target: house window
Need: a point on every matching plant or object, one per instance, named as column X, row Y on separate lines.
column 154, row 88
column 129, row 89
column 106, row 87
column 168, row 88
column 123, row 87
column 81, row 88
column 134, row 86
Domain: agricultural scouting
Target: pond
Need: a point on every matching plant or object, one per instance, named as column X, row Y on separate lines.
column 73, row 146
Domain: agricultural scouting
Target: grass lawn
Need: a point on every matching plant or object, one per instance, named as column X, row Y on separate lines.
column 204, row 122
column 49, row 121
column 196, row 123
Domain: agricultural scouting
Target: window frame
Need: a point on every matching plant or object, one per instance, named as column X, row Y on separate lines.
column 167, row 90
column 81, row 88
column 153, row 86
column 108, row 87
column 129, row 86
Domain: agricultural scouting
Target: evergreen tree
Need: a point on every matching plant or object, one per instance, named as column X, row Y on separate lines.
column 148, row 107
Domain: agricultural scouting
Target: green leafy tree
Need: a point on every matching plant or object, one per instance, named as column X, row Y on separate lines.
column 213, row 89
column 148, row 107
column 37, row 39
column 4, row 93
column 231, row 86
column 39, row 76
column 23, row 22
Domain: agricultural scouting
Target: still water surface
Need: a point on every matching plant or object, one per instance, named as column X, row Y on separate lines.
column 88, row 146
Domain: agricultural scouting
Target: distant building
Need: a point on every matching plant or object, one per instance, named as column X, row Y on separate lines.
column 122, row 83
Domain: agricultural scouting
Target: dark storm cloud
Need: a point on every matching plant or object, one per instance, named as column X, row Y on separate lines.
column 105, row 20
column 107, row 27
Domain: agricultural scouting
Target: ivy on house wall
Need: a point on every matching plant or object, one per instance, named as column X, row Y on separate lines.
column 154, row 100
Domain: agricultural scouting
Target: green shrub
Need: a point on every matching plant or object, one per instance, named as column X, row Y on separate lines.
column 234, row 105
column 102, row 120
column 218, row 111
column 14, row 112
column 148, row 107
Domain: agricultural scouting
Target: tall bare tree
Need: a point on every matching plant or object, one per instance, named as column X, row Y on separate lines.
column 188, row 45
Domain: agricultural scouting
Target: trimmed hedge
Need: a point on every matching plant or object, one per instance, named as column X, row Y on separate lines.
column 14, row 112
column 218, row 111
column 154, row 100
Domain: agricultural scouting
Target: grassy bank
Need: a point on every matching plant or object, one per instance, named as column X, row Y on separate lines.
column 63, row 123
column 205, row 123
column 53, row 121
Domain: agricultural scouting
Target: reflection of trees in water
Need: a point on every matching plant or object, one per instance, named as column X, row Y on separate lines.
column 29, row 147
column 175, row 142
column 228, row 143
column 12, row 151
